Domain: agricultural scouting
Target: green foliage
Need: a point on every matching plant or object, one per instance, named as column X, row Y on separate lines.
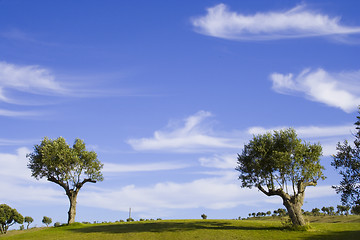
column 355, row 210
column 203, row 216
column 69, row 167
column 8, row 217
column 130, row 219
column 28, row 220
column 343, row 209
column 315, row 211
column 56, row 160
column 280, row 159
column 347, row 162
column 46, row 220
column 57, row 224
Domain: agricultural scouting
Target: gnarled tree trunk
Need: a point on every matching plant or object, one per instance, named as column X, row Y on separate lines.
column 293, row 206
column 72, row 209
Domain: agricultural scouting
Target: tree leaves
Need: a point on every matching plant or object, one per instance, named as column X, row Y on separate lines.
column 279, row 162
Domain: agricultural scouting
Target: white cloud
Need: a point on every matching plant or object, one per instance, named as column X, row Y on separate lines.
column 226, row 161
column 310, row 131
column 31, row 79
column 341, row 90
column 145, row 167
column 14, row 166
column 297, row 22
column 194, row 135
column 212, row 193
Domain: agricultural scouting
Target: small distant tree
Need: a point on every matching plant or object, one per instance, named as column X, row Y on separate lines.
column 281, row 212
column 325, row 210
column 46, row 220
column 203, row 216
column 28, row 220
column 268, row 213
column 281, row 164
column 343, row 209
column 355, row 210
column 347, row 162
column 315, row 211
column 8, row 217
column 69, row 167
column 331, row 210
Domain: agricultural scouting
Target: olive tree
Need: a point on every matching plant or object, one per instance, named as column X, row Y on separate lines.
column 46, row 220
column 69, row 167
column 9, row 216
column 28, row 220
column 347, row 162
column 281, row 164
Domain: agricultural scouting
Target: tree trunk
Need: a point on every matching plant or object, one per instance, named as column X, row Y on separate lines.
column 72, row 209
column 293, row 207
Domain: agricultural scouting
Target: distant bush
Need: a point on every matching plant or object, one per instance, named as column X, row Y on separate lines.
column 57, row 224
column 22, row 227
column 159, row 219
column 141, row 219
column 203, row 216
column 130, row 219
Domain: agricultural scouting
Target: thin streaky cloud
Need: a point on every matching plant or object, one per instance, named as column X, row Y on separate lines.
column 147, row 167
column 298, row 22
column 10, row 113
column 340, row 90
column 195, row 135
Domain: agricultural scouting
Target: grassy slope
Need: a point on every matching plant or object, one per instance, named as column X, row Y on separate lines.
column 322, row 228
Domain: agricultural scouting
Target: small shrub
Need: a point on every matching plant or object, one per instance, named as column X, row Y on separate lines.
column 203, row 216
column 121, row 220
column 141, row 219
column 57, row 224
column 130, row 219
column 22, row 227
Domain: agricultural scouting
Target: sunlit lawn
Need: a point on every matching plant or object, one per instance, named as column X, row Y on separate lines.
column 322, row 228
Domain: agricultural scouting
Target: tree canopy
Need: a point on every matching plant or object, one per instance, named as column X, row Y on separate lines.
column 28, row 220
column 347, row 162
column 8, row 217
column 281, row 164
column 46, row 220
column 69, row 167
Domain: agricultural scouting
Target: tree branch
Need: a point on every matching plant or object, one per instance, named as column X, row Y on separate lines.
column 80, row 184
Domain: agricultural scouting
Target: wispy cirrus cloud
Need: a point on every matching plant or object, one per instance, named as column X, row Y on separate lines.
column 143, row 167
column 298, row 22
column 31, row 79
column 31, row 85
column 197, row 136
column 341, row 90
column 194, row 135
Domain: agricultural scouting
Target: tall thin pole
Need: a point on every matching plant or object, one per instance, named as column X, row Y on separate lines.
column 129, row 212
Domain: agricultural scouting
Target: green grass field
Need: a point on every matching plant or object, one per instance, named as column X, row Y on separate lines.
column 326, row 227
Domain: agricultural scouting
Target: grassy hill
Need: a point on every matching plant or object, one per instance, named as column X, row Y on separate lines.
column 326, row 227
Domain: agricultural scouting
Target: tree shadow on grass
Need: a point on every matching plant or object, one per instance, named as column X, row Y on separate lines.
column 167, row 227
column 346, row 235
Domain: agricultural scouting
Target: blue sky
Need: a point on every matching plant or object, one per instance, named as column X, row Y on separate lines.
column 167, row 93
